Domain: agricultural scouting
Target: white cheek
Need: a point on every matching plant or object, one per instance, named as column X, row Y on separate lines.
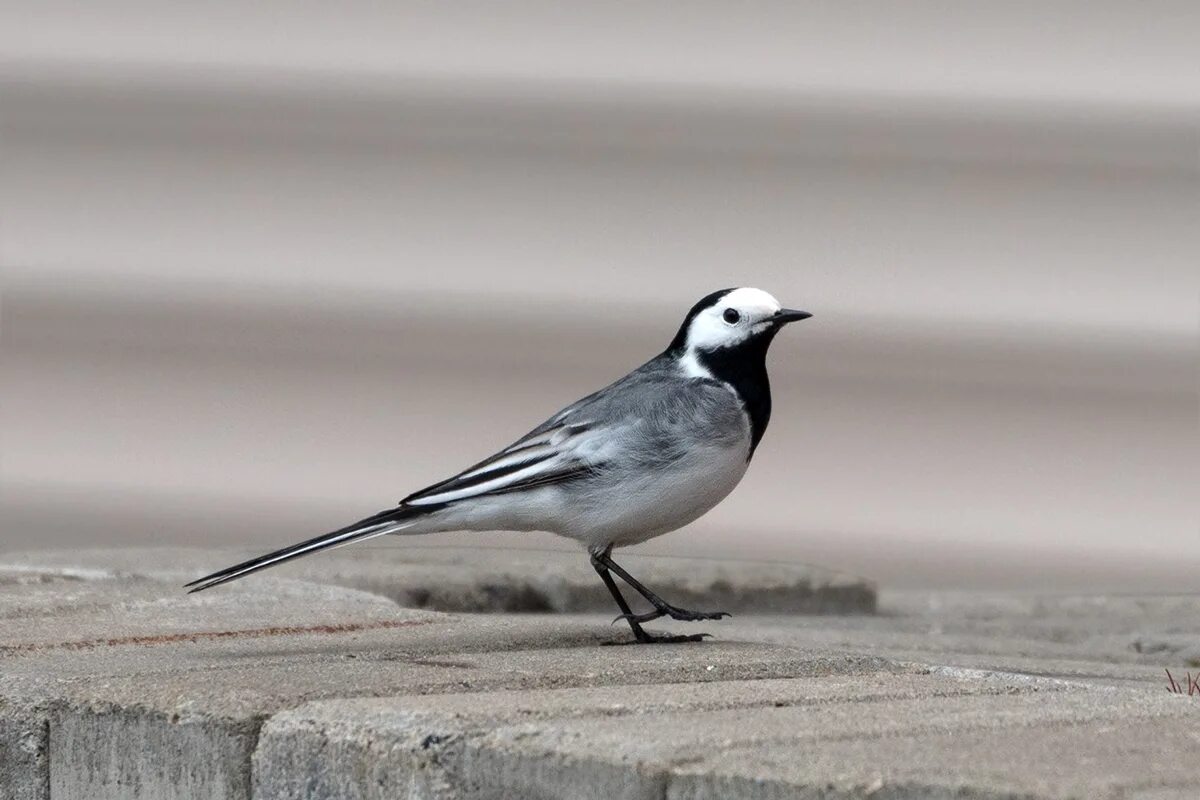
column 709, row 331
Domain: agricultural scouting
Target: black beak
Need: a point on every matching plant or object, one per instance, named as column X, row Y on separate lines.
column 786, row 315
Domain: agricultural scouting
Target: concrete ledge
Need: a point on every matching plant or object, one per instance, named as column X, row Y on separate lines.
column 863, row 737
column 442, row 744
column 120, row 685
column 101, row 679
column 115, row 684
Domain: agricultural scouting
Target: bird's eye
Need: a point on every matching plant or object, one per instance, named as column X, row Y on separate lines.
column 732, row 316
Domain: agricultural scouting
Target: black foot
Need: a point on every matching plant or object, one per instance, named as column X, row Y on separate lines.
column 681, row 614
column 661, row 638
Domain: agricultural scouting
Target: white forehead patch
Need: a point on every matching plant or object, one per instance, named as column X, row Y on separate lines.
column 710, row 330
column 754, row 300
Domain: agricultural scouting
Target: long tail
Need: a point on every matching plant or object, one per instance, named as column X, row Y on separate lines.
column 388, row 521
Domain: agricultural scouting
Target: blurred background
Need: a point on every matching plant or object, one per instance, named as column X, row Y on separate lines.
column 269, row 267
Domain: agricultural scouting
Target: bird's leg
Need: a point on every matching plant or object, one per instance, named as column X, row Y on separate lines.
column 661, row 607
column 626, row 613
column 639, row 634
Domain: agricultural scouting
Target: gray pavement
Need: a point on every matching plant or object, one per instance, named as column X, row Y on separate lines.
column 115, row 684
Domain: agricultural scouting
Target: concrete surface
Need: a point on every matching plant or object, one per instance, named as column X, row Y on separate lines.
column 1097, row 638
column 492, row 579
column 117, row 685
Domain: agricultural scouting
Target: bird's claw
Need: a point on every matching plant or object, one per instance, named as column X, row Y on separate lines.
column 652, row 638
column 680, row 614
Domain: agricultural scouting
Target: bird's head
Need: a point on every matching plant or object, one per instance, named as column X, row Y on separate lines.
column 730, row 319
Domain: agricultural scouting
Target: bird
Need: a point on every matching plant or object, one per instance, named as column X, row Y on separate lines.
column 643, row 456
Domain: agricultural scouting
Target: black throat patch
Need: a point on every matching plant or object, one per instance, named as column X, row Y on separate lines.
column 744, row 367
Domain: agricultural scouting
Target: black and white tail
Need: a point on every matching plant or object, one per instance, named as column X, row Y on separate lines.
column 389, row 521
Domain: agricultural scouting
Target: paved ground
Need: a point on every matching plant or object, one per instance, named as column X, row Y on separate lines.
column 114, row 684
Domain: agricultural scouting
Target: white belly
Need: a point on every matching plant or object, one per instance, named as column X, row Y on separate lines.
column 654, row 504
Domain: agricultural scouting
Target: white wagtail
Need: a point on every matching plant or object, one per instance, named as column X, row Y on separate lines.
column 637, row 459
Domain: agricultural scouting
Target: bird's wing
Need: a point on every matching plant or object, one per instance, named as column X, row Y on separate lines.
column 574, row 443
column 555, row 452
